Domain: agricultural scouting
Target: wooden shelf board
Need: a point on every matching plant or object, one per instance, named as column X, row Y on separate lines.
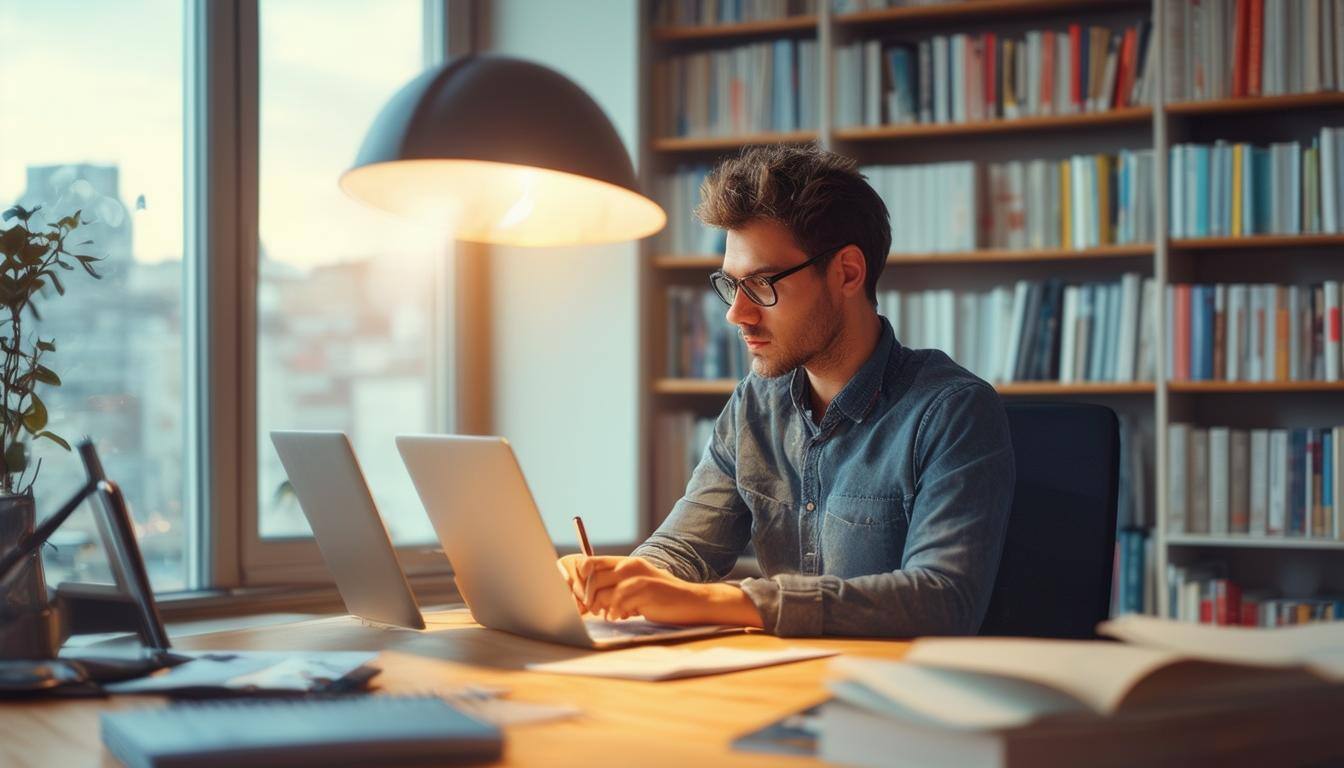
column 1253, row 387
column 1019, row 388
column 1056, row 122
column 1253, row 242
column 744, row 29
column 1257, row 104
column 988, row 255
column 726, row 386
column 689, row 261
column 709, row 143
column 694, row 386
column 979, row 9
column 982, row 256
column 1244, row 540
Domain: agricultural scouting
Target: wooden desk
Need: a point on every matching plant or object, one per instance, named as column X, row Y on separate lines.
column 682, row 722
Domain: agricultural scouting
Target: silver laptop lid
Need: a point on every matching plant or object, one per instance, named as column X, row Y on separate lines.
column 488, row 523
column 354, row 542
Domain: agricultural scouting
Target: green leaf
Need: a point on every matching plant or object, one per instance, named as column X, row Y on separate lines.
column 69, row 222
column 13, row 240
column 35, row 418
column 55, row 438
column 20, row 212
column 33, row 253
column 56, row 281
column 16, row 457
column 47, row 376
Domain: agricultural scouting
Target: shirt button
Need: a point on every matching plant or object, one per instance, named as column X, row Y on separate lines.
column 811, row 507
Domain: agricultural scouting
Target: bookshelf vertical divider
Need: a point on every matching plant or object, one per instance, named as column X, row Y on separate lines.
column 1161, row 404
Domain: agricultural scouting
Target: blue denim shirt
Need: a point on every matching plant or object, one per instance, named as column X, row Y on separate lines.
column 886, row 519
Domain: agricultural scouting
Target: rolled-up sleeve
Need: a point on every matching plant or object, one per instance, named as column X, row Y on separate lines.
column 710, row 525
column 964, row 469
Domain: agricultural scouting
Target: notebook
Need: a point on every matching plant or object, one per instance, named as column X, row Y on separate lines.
column 329, row 731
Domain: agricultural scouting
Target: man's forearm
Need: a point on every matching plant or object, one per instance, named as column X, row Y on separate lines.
column 728, row 604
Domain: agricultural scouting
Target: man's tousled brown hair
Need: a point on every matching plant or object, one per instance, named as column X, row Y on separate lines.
column 820, row 197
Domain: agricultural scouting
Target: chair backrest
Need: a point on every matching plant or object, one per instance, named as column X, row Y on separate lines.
column 1055, row 576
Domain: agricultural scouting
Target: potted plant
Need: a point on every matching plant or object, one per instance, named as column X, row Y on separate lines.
column 34, row 254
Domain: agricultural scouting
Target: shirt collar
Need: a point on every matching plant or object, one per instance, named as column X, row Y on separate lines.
column 857, row 397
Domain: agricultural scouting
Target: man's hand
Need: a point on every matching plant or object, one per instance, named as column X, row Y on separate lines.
column 621, row 587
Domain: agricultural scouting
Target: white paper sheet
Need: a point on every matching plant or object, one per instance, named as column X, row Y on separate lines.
column 663, row 663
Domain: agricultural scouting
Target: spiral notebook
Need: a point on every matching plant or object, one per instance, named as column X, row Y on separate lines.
column 325, row 731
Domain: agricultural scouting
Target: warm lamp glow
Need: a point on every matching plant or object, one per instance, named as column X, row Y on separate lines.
column 506, row 204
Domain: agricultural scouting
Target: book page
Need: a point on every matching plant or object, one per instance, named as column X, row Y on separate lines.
column 1318, row 646
column 1097, row 674
column 947, row 698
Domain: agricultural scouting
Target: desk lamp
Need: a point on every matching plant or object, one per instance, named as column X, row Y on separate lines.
column 504, row 151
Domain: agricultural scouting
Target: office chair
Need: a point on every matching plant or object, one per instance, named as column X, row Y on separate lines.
column 1055, row 576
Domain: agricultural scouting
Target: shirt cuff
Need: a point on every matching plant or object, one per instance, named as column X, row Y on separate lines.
column 656, row 556
column 790, row 605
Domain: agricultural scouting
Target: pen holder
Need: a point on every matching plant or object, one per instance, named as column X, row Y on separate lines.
column 28, row 627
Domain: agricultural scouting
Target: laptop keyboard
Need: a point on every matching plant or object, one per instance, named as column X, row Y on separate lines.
column 599, row 629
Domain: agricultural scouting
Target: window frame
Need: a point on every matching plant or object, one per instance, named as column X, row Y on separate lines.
column 221, row 182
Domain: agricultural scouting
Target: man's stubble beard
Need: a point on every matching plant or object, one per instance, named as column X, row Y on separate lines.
column 819, row 342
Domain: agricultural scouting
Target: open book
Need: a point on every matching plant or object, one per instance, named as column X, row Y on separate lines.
column 991, row 683
column 968, row 700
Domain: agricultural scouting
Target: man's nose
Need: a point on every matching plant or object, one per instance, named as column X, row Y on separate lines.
column 743, row 311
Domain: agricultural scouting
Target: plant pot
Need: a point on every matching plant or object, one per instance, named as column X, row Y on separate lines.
column 27, row 623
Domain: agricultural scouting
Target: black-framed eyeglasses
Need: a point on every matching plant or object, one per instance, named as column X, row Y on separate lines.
column 759, row 288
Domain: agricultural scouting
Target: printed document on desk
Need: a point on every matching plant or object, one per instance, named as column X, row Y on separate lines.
column 653, row 663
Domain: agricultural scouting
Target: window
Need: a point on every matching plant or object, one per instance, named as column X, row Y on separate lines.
column 150, row 116
column 92, row 119
column 347, row 335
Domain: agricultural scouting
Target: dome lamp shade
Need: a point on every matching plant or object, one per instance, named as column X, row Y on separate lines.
column 505, row 151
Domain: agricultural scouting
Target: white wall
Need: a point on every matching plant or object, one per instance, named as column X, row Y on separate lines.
column 565, row 323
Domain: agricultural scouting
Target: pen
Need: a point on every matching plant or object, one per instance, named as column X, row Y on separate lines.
column 583, row 536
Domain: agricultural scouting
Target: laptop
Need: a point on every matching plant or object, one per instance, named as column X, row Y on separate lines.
column 354, row 542
column 505, row 565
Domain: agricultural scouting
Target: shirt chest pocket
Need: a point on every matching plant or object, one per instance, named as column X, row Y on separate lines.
column 862, row 535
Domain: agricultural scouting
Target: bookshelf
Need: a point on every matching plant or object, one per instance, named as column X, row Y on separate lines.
column 1291, row 565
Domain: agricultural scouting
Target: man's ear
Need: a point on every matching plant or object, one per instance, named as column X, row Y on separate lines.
column 853, row 270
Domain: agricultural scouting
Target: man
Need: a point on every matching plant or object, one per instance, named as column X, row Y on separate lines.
column 873, row 481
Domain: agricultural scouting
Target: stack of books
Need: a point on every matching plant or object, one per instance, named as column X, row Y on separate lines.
column 1258, row 482
column 1035, row 330
column 746, row 89
column 677, row 13
column 1202, row 594
column 685, row 235
column 1218, row 49
column 1081, row 202
column 965, row 78
column 1263, row 332
column 1133, row 589
column 1171, row 693
column 682, row 439
column 1232, row 190
column 701, row 343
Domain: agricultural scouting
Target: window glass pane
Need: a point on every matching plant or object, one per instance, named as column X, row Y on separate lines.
column 345, row 296
column 91, row 118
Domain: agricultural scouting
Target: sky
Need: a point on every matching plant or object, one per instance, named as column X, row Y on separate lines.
column 74, row 90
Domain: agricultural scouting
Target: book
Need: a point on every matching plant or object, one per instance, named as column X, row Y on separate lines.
column 1166, row 689
column 352, row 730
